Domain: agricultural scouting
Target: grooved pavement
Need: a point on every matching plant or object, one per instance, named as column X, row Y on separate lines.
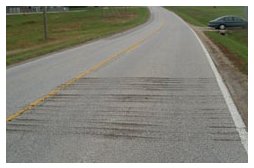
column 158, row 103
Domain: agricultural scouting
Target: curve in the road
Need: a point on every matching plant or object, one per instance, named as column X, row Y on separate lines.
column 161, row 102
column 82, row 75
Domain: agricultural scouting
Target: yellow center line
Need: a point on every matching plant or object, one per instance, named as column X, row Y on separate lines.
column 81, row 75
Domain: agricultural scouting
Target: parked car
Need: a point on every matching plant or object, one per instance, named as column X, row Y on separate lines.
column 228, row 21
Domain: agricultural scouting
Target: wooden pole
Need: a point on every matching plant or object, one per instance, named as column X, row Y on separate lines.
column 45, row 24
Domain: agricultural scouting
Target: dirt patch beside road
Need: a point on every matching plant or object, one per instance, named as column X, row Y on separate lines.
column 236, row 81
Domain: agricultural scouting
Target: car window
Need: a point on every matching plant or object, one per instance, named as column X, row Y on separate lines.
column 228, row 19
column 238, row 19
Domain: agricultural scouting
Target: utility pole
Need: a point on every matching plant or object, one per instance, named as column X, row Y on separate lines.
column 45, row 22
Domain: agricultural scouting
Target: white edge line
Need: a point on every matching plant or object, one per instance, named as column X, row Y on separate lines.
column 240, row 126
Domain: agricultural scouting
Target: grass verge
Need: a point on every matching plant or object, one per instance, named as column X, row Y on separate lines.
column 201, row 15
column 25, row 32
column 234, row 44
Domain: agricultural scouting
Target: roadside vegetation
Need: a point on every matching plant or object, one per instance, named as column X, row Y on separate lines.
column 25, row 38
column 234, row 44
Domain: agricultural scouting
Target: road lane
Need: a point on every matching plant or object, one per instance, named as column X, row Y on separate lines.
column 158, row 103
column 29, row 81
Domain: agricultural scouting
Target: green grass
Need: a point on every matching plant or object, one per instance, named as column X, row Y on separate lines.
column 235, row 42
column 201, row 15
column 25, row 32
column 237, row 47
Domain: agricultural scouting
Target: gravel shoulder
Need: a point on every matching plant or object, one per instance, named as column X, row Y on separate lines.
column 236, row 81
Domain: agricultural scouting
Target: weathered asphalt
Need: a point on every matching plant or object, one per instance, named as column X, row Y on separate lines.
column 159, row 102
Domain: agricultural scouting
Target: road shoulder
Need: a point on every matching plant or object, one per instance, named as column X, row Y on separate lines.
column 236, row 81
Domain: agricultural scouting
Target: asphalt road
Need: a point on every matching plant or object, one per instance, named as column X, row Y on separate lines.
column 149, row 95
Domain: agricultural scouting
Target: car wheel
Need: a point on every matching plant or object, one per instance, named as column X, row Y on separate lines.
column 222, row 27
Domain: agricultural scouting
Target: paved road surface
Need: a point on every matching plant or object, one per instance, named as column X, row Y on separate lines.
column 156, row 101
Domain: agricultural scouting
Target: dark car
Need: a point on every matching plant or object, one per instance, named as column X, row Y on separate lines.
column 228, row 21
